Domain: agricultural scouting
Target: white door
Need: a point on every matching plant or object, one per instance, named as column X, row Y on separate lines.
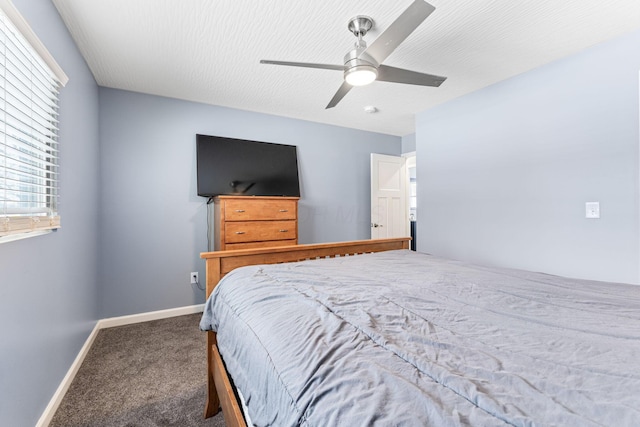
column 389, row 216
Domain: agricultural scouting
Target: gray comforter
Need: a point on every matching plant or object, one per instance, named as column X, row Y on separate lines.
column 400, row 338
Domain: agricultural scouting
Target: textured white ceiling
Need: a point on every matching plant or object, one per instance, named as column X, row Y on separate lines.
column 209, row 51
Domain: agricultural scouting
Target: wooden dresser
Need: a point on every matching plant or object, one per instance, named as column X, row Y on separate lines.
column 244, row 222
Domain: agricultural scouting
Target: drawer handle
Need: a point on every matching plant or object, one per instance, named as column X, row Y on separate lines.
column 283, row 231
column 284, row 210
column 239, row 232
column 240, row 210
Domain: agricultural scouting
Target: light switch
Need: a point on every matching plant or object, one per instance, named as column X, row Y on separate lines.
column 592, row 210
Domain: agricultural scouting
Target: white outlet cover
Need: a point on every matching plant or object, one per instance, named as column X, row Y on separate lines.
column 592, row 210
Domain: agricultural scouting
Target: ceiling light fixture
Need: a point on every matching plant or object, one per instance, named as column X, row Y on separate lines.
column 370, row 109
column 360, row 75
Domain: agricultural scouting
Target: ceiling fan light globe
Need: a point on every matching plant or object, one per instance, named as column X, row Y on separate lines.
column 360, row 75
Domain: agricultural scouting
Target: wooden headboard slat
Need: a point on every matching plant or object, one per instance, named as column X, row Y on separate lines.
column 222, row 262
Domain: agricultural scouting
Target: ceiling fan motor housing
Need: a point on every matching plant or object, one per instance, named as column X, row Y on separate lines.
column 359, row 68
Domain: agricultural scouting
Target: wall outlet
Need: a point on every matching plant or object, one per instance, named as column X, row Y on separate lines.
column 194, row 277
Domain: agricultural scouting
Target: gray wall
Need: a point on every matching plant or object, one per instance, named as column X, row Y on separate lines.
column 505, row 172
column 48, row 289
column 409, row 143
column 153, row 226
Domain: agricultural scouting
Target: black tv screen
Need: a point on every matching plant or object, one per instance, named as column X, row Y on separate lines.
column 228, row 166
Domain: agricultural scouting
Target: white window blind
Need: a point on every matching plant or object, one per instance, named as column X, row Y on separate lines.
column 29, row 174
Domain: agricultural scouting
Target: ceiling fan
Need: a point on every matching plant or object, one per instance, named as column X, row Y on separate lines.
column 363, row 64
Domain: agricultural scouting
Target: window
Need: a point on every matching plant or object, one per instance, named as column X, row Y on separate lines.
column 29, row 175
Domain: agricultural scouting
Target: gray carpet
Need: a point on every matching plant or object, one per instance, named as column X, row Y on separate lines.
column 147, row 374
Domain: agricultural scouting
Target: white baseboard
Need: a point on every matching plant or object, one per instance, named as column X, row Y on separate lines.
column 55, row 401
column 152, row 315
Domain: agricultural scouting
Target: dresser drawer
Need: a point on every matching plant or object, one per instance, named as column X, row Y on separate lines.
column 258, row 231
column 254, row 245
column 259, row 210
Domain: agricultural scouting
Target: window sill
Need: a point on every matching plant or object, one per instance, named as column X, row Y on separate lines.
column 25, row 235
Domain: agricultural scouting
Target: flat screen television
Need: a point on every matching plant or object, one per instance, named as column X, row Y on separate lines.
column 228, row 166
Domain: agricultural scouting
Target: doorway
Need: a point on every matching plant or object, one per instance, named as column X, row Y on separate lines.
column 389, row 205
column 412, row 195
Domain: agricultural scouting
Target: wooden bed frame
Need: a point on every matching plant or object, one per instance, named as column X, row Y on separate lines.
column 220, row 392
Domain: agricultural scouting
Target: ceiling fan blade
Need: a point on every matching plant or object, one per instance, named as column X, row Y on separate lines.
column 400, row 75
column 344, row 89
column 399, row 30
column 304, row 64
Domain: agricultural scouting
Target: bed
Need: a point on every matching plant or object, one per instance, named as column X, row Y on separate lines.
column 394, row 337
